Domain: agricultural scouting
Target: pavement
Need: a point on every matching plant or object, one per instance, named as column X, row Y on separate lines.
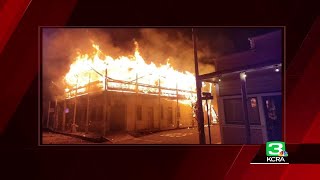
column 54, row 138
column 175, row 136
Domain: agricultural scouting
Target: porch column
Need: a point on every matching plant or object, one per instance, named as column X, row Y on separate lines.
column 136, row 107
column 88, row 105
column 74, row 126
column 245, row 106
column 64, row 115
column 159, row 99
column 48, row 118
column 177, row 108
column 105, row 105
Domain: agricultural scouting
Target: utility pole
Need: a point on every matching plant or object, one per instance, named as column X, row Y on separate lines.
column 202, row 138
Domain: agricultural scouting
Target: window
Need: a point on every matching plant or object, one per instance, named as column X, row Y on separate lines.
column 234, row 111
column 252, row 43
column 178, row 112
column 170, row 118
column 150, row 117
column 273, row 113
column 253, row 102
column 139, row 112
column 253, row 111
column 161, row 111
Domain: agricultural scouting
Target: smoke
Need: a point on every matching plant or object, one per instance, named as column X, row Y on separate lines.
column 158, row 46
column 60, row 46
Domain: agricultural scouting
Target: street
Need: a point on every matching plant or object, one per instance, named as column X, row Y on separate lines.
column 176, row 136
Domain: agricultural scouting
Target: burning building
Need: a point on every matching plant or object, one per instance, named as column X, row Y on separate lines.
column 105, row 94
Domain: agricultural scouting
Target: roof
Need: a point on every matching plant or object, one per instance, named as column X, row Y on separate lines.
column 268, row 47
column 268, row 53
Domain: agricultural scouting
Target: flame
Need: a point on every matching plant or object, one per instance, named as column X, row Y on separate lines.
column 127, row 73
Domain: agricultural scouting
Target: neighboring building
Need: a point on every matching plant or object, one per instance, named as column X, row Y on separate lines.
column 264, row 92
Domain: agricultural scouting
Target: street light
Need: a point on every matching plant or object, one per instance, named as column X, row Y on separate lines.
column 243, row 74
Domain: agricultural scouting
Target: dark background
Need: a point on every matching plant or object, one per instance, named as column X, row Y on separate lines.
column 19, row 75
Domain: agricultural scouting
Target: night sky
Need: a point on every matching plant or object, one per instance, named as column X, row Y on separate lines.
column 235, row 39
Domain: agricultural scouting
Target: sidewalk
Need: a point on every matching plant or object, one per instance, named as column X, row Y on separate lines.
column 167, row 136
column 91, row 137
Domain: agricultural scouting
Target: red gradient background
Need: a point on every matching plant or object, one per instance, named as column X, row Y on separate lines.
column 19, row 73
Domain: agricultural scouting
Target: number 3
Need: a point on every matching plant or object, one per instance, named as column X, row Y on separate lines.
column 279, row 148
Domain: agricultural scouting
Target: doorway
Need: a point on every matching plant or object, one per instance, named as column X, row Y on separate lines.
column 273, row 114
column 118, row 117
column 150, row 118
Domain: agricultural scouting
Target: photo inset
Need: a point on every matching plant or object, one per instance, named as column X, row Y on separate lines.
column 110, row 86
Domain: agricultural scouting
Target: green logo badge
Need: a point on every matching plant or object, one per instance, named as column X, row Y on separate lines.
column 276, row 148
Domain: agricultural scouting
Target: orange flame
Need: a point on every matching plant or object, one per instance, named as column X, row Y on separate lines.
column 125, row 73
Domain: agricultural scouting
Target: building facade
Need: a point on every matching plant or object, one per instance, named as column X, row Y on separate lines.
column 124, row 111
column 263, row 92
